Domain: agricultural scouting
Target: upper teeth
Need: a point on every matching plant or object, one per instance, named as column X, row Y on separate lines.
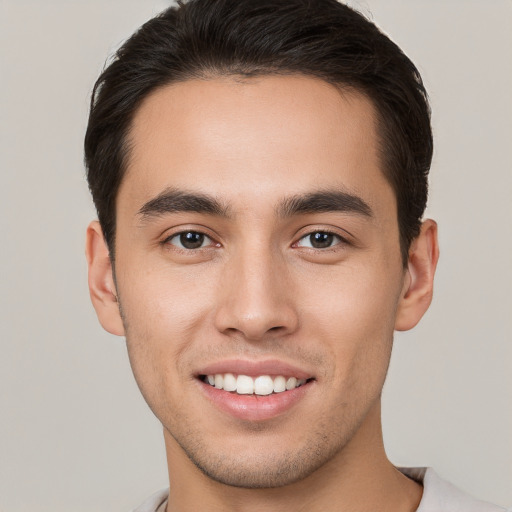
column 245, row 385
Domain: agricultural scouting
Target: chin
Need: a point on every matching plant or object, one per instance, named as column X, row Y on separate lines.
column 272, row 474
column 264, row 467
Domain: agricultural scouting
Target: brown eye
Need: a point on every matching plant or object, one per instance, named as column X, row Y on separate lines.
column 189, row 240
column 319, row 240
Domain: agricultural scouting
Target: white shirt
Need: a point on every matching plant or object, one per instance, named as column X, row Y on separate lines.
column 438, row 496
column 441, row 496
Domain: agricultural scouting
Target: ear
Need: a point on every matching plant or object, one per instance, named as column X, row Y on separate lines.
column 419, row 279
column 102, row 287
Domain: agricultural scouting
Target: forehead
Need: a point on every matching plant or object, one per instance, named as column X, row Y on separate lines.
column 259, row 137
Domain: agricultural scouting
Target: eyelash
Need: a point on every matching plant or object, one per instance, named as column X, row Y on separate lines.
column 168, row 240
column 341, row 240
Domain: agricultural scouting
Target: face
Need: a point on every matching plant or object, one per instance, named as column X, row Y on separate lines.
column 257, row 238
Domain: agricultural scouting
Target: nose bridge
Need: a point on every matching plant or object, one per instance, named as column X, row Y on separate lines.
column 256, row 293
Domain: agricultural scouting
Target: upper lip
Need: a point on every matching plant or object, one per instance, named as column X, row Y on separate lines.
column 254, row 368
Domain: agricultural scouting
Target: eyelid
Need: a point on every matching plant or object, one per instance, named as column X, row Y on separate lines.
column 338, row 242
column 331, row 231
column 179, row 231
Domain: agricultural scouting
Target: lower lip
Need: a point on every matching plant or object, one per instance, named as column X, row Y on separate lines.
column 255, row 407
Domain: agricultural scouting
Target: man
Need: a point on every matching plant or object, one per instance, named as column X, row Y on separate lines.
column 260, row 174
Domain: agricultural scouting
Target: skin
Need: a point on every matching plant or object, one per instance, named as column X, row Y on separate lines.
column 256, row 290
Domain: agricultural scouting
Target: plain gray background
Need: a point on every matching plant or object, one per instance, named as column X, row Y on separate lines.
column 74, row 432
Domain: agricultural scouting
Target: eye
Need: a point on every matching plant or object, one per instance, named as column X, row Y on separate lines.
column 189, row 240
column 319, row 240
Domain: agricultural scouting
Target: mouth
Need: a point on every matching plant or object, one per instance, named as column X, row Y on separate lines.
column 254, row 391
column 262, row 385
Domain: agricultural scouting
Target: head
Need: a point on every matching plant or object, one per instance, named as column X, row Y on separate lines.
column 259, row 171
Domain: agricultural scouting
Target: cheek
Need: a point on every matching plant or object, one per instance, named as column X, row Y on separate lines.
column 165, row 300
column 163, row 312
column 354, row 298
column 353, row 315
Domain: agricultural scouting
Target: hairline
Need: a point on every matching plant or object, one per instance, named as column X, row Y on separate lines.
column 216, row 73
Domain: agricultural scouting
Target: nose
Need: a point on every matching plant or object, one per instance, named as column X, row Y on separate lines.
column 256, row 297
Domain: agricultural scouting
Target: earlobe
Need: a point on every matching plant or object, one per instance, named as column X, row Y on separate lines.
column 419, row 280
column 102, row 287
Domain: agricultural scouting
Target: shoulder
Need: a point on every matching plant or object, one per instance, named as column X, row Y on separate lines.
column 441, row 496
column 154, row 503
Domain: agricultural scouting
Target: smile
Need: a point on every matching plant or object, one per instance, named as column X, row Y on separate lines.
column 245, row 385
column 255, row 390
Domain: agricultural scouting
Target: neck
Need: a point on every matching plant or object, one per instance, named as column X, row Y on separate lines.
column 359, row 478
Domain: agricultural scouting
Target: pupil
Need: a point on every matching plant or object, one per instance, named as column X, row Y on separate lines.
column 321, row 240
column 192, row 240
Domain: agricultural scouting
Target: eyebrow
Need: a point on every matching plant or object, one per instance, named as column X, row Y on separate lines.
column 173, row 201
column 323, row 202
